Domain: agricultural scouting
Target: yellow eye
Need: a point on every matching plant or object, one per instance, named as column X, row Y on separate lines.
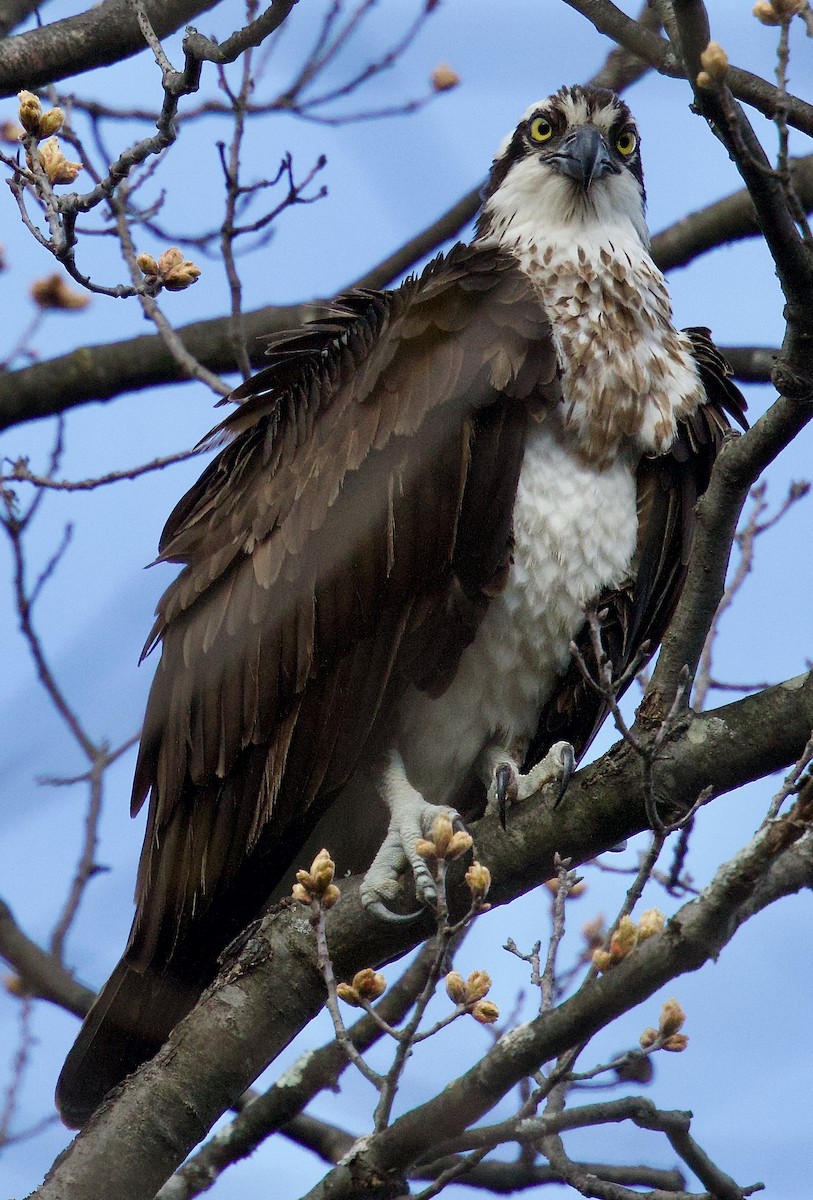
column 626, row 142
column 541, row 129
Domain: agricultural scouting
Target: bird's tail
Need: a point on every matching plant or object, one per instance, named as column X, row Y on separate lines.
column 131, row 1018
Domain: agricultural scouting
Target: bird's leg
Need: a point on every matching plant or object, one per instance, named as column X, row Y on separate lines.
column 411, row 819
column 506, row 783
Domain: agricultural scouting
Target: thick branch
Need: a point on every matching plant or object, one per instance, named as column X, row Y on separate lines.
column 134, row 1142
column 731, row 219
column 495, row 1178
column 105, row 34
column 695, row 935
column 280, row 1105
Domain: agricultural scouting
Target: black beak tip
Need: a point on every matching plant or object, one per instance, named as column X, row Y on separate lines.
column 584, row 156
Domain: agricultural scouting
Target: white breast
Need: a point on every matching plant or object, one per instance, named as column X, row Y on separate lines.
column 575, row 530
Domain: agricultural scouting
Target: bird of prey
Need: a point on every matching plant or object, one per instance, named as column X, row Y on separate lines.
column 385, row 565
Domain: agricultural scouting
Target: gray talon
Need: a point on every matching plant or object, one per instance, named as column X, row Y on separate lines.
column 568, row 767
column 376, row 909
column 411, row 820
column 503, row 778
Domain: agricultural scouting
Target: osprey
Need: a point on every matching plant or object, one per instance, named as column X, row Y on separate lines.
column 384, row 567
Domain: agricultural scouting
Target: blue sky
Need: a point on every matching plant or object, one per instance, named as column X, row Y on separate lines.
column 386, row 180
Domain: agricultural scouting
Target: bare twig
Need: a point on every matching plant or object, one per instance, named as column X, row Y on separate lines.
column 793, row 781
column 21, row 473
column 40, row 974
column 755, row 524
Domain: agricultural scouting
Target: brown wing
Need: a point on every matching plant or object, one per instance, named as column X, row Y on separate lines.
column 668, row 489
column 344, row 543
column 337, row 532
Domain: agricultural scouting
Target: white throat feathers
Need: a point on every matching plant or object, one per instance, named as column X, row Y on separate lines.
column 627, row 373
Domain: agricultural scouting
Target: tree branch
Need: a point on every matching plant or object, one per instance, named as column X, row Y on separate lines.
column 655, row 50
column 40, row 974
column 738, row 466
column 696, row 934
column 731, row 219
column 104, row 372
column 104, row 34
column 135, row 1141
column 278, row 1108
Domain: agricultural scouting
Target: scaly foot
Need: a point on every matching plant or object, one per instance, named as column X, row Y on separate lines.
column 510, row 786
column 411, row 819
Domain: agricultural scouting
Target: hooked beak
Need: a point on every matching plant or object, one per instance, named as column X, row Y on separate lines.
column 583, row 155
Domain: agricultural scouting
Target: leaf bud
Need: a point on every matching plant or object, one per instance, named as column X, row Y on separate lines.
column 648, row 1038
column 651, row 922
column 777, row 12
column 676, row 1043
column 624, row 939
column 486, row 1012
column 52, row 292
column 477, row 985
column 15, row 986
column 369, row 984
column 51, row 122
column 671, row 1018
column 171, row 258
column 478, row 879
column 182, row 276
column 30, row 112
column 766, row 13
column 56, row 166
column 456, row 987
column 348, row 993
column 317, row 883
column 322, row 870
column 444, row 78
column 593, row 931
column 147, row 264
column 442, row 831
column 714, row 61
column 602, row 960
column 461, row 842
column 10, row 132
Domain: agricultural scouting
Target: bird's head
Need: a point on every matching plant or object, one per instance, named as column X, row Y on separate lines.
column 574, row 159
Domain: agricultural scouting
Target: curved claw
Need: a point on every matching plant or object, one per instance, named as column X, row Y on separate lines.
column 377, row 909
column 568, row 767
column 503, row 777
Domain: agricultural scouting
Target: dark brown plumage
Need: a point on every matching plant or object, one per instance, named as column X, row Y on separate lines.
column 343, row 547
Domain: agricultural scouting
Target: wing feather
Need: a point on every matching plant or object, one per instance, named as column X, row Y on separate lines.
column 344, row 542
